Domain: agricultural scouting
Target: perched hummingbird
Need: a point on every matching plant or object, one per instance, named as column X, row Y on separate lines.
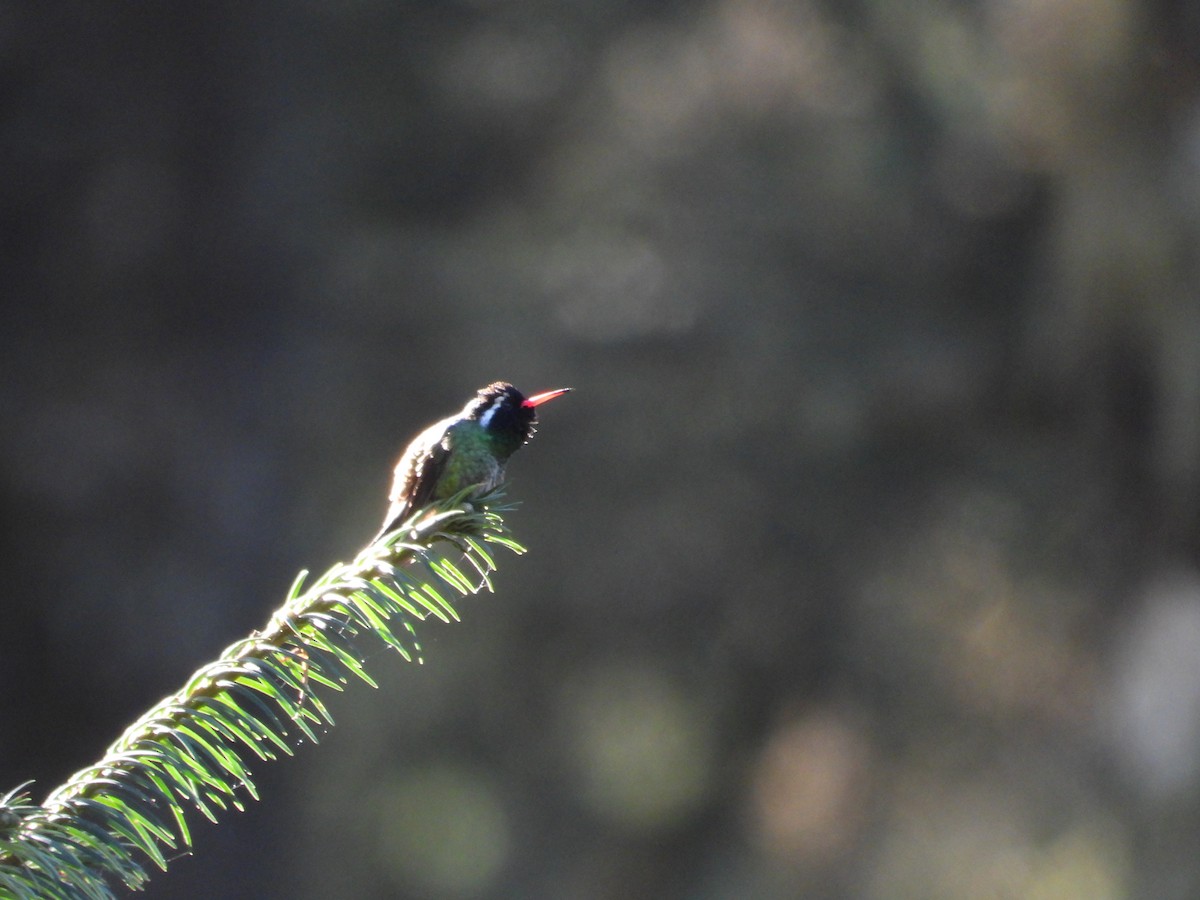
column 469, row 448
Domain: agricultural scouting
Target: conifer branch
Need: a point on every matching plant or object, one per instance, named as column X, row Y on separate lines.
column 260, row 698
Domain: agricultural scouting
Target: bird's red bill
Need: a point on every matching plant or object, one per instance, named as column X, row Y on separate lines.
column 538, row 399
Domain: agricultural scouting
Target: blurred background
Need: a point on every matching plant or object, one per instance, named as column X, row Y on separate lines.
column 863, row 557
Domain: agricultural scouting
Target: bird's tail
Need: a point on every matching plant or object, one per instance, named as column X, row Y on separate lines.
column 397, row 513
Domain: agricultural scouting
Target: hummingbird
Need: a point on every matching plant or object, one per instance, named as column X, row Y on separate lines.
column 469, row 448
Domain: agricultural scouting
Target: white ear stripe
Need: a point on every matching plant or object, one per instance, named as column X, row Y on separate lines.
column 486, row 418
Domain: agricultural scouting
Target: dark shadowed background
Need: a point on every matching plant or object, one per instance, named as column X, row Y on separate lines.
column 863, row 557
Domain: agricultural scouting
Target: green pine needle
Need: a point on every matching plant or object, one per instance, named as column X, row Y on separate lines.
column 194, row 750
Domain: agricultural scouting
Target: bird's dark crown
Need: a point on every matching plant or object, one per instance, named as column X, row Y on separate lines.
column 500, row 409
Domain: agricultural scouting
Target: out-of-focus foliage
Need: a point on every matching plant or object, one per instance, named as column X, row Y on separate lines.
column 866, row 548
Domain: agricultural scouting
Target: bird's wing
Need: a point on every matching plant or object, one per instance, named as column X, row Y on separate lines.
column 414, row 482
